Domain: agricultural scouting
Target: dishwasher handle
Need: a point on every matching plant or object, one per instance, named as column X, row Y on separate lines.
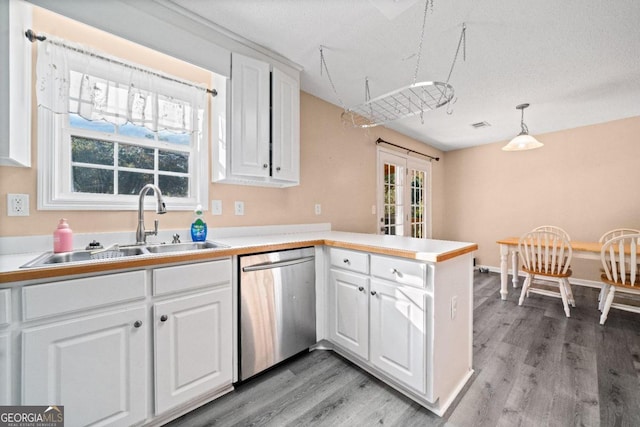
column 277, row 264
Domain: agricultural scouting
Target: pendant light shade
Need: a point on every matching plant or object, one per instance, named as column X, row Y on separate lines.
column 523, row 141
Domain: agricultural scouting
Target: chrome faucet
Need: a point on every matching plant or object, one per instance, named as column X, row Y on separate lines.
column 141, row 233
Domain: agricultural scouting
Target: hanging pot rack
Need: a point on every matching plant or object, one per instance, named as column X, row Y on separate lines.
column 407, row 101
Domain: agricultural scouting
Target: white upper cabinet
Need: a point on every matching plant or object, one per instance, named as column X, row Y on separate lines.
column 285, row 127
column 250, row 117
column 15, row 84
column 264, row 146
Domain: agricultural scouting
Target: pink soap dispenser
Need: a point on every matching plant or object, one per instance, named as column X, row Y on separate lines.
column 62, row 237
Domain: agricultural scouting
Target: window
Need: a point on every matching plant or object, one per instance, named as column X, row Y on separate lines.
column 404, row 195
column 106, row 128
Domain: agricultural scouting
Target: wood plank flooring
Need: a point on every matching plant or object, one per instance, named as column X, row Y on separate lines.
column 533, row 367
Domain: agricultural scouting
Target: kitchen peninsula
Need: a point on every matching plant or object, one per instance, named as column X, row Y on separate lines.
column 399, row 308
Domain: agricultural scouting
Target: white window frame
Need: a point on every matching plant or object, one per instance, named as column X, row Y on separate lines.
column 406, row 162
column 55, row 173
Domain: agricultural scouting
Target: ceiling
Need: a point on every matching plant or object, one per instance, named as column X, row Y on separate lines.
column 577, row 62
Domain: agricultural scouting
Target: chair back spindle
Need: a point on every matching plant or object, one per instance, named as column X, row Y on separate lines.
column 619, row 269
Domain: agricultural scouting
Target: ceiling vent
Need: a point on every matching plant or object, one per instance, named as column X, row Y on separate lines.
column 479, row 125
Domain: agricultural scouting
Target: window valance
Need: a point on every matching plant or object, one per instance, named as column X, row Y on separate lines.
column 72, row 78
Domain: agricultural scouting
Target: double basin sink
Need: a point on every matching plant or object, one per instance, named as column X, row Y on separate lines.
column 118, row 252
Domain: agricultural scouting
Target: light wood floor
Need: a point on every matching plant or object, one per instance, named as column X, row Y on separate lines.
column 533, row 367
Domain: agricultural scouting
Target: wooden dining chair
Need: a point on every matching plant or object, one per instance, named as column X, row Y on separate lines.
column 547, row 254
column 620, row 260
column 608, row 236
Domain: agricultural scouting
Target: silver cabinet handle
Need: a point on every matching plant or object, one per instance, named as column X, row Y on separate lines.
column 374, row 293
column 137, row 323
column 361, row 288
column 264, row 166
column 163, row 318
column 346, row 261
column 278, row 169
column 394, row 271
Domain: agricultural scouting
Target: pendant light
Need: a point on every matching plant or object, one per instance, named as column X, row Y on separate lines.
column 523, row 141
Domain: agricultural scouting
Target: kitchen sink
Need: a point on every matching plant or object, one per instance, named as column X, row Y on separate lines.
column 183, row 247
column 117, row 252
column 50, row 258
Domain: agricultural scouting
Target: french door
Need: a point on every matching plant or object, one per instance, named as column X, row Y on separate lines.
column 404, row 195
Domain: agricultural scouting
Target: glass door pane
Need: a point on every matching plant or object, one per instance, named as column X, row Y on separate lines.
column 417, row 189
column 393, row 171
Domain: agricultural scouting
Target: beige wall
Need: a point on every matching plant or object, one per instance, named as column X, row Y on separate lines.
column 584, row 180
column 338, row 166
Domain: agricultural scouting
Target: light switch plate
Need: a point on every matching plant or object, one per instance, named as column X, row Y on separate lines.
column 454, row 307
column 318, row 209
column 17, row 205
column 216, row 207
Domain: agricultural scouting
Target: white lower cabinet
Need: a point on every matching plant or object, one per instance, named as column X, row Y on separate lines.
column 389, row 316
column 377, row 310
column 5, row 347
column 349, row 311
column 398, row 337
column 93, row 365
column 193, row 345
column 381, row 322
column 87, row 344
column 5, row 370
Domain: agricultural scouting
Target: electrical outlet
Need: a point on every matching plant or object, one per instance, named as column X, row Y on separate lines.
column 239, row 208
column 17, row 205
column 318, row 209
column 216, row 207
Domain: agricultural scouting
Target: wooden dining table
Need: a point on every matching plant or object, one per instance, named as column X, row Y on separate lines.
column 509, row 247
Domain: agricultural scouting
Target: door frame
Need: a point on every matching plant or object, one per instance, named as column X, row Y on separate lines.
column 410, row 162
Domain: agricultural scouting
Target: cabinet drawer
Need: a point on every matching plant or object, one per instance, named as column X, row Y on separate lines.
column 399, row 270
column 349, row 260
column 5, row 307
column 80, row 294
column 184, row 277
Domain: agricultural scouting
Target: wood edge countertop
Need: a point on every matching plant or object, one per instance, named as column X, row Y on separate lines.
column 575, row 244
column 158, row 260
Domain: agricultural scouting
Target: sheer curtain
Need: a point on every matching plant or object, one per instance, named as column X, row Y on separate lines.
column 72, row 78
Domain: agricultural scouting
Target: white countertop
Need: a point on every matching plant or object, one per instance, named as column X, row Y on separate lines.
column 420, row 249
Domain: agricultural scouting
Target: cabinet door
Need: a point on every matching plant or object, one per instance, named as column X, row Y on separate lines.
column 5, row 369
column 193, row 346
column 285, row 127
column 249, row 117
column 96, row 366
column 398, row 332
column 349, row 312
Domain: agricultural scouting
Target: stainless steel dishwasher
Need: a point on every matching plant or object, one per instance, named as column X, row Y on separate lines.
column 277, row 308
